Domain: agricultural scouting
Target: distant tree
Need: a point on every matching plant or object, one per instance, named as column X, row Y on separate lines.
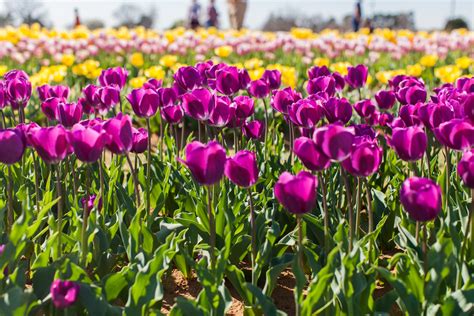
column 94, row 24
column 6, row 19
column 130, row 15
column 26, row 11
column 456, row 23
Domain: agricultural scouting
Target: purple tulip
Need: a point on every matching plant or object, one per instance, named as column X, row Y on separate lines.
column 305, row 113
column 468, row 106
column 410, row 91
column 64, row 293
column 199, row 104
column 16, row 74
column 172, row 114
column 227, row 80
column 206, row 162
column 337, row 110
column 310, row 155
column 139, row 140
column 46, row 91
column 282, row 99
column 108, row 97
column 49, row 107
column 315, row 72
column 12, row 145
column 253, row 129
column 457, row 134
column 69, row 114
column 335, row 141
column 187, row 78
column 119, row 129
column 365, row 157
column 339, row 80
column 385, row 99
column 202, row 68
column 465, row 84
column 421, row 198
column 357, row 76
column 168, row 96
column 325, row 84
column 409, row 114
column 88, row 142
column 244, row 79
column 365, row 108
column 259, row 89
column 3, row 95
column 466, row 168
column 90, row 201
column 242, row 168
column 272, row 78
column 18, row 92
column 113, row 76
column 296, row 193
column 409, row 143
column 222, row 113
column 244, row 106
column 153, row 84
column 51, row 143
column 144, row 102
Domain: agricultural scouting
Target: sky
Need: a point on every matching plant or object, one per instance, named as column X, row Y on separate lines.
column 429, row 14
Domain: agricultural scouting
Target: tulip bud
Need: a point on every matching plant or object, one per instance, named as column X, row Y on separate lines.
column 310, row 155
column 64, row 293
column 421, row 198
column 206, row 162
column 139, row 140
column 253, row 129
column 144, row 102
column 12, row 145
column 51, row 143
column 119, row 129
column 357, row 76
column 409, row 143
column 242, row 169
column 296, row 193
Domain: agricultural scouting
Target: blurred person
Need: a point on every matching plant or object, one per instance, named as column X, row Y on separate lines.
column 212, row 15
column 357, row 19
column 77, row 20
column 237, row 10
column 194, row 13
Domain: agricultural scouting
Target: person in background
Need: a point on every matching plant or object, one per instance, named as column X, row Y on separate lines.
column 77, row 20
column 194, row 13
column 357, row 19
column 212, row 15
column 237, row 10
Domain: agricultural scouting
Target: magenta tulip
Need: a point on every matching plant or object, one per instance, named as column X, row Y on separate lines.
column 205, row 161
column 310, row 155
column 296, row 193
column 119, row 129
column 12, row 145
column 69, row 114
column 187, row 78
column 172, row 114
column 113, row 76
column 242, row 168
column 466, row 168
column 88, row 142
column 51, row 143
column 64, row 293
column 144, row 102
column 357, row 76
column 272, row 78
column 227, row 80
column 253, row 129
column 365, row 157
column 409, row 143
column 199, row 104
column 385, row 99
column 457, row 134
column 421, row 198
column 49, row 107
column 282, row 99
column 337, row 110
column 46, row 91
column 335, row 141
column 259, row 89
column 139, row 140
column 244, row 106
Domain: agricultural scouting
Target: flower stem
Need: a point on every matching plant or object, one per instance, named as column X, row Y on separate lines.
column 135, row 180
column 212, row 228
column 85, row 218
column 266, row 127
column 60, row 208
column 359, row 207
column 424, row 250
column 349, row 208
column 253, row 229
column 369, row 206
column 10, row 200
column 102, row 188
column 37, row 196
column 448, row 169
column 148, row 167
column 326, row 213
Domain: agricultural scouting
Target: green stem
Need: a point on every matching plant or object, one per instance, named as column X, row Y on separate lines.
column 448, row 170
column 359, row 207
column 37, row 197
column 253, row 229
column 266, row 128
column 326, row 213
column 212, row 228
column 369, row 207
column 349, row 208
column 85, row 217
column 148, row 168
column 10, row 200
column 135, row 180
column 60, row 208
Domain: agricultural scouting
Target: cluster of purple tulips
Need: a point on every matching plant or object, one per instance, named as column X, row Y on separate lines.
column 219, row 96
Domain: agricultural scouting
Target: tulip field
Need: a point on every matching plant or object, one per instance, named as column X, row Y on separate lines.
column 217, row 172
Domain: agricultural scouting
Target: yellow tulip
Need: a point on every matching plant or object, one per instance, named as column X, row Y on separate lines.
column 137, row 82
column 321, row 61
column 168, row 61
column 136, row 59
column 223, row 51
column 464, row 62
column 414, row 70
column 3, row 70
column 67, row 59
column 429, row 60
column 155, row 72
